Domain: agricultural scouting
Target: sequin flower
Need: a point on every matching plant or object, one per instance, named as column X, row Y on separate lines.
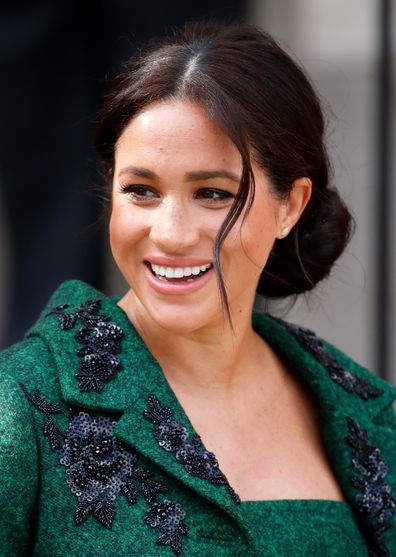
column 169, row 518
column 100, row 340
column 173, row 437
column 99, row 468
column 374, row 503
column 343, row 377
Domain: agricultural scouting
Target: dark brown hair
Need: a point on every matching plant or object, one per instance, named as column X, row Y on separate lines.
column 263, row 101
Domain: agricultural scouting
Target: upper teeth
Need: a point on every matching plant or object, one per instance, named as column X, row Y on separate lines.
column 178, row 272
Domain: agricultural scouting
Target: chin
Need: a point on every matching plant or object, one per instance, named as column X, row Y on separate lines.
column 185, row 319
column 179, row 317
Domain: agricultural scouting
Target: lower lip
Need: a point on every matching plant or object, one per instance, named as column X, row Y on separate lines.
column 176, row 288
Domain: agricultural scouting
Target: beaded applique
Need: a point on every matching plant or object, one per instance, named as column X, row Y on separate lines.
column 169, row 518
column 339, row 375
column 375, row 503
column 100, row 340
column 50, row 429
column 173, row 437
column 99, row 468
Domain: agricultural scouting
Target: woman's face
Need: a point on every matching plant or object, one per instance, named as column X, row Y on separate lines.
column 176, row 175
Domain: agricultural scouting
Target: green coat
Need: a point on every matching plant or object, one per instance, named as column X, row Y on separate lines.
column 97, row 456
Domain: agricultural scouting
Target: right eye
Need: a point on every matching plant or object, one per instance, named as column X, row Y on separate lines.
column 139, row 192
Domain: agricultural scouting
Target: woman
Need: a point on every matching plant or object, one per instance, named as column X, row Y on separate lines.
column 170, row 420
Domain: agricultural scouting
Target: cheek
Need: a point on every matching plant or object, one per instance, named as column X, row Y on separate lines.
column 250, row 244
column 126, row 229
column 116, row 227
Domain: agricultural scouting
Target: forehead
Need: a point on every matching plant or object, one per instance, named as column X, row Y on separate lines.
column 176, row 131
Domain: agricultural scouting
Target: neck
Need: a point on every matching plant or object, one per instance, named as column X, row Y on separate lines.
column 213, row 361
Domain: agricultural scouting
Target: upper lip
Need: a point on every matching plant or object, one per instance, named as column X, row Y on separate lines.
column 178, row 261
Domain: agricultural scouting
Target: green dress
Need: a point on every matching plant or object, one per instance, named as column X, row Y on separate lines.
column 98, row 458
column 304, row 527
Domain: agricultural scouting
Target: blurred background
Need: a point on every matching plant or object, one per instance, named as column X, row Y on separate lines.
column 55, row 57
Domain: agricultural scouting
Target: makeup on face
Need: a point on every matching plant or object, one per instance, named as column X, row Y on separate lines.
column 176, row 176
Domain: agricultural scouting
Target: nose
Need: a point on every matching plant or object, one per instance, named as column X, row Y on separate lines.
column 173, row 228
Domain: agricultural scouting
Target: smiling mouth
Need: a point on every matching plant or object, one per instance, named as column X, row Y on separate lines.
column 178, row 274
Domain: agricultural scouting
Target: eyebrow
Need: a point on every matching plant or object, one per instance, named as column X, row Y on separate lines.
column 190, row 176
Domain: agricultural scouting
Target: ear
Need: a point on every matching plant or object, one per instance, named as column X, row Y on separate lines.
column 291, row 209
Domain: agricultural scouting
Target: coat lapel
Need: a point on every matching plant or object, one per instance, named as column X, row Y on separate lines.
column 337, row 407
column 127, row 393
column 139, row 375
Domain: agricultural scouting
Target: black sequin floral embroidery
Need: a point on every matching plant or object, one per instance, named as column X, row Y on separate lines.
column 189, row 451
column 99, row 468
column 374, row 503
column 100, row 340
column 169, row 518
column 338, row 374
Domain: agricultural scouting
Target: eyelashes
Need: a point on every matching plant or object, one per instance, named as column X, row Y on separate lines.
column 213, row 194
column 144, row 193
column 139, row 191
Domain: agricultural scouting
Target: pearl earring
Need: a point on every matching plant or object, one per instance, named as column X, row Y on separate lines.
column 283, row 233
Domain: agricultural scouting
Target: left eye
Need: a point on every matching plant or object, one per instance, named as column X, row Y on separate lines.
column 212, row 194
column 139, row 192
